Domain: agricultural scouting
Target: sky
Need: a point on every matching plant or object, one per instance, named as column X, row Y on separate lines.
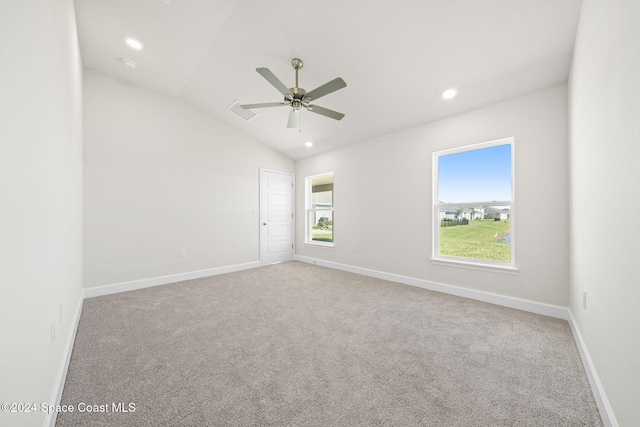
column 477, row 175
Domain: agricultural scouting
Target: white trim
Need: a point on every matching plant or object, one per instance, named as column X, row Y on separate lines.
column 262, row 209
column 58, row 386
column 506, row 301
column 277, row 171
column 478, row 146
column 308, row 181
column 506, row 269
column 604, row 407
column 56, row 395
column 606, row 412
column 320, row 243
column 163, row 280
column 435, row 248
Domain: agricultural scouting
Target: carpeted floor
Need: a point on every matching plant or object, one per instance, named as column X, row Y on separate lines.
column 295, row 344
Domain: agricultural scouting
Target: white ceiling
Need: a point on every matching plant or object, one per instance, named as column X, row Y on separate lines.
column 396, row 57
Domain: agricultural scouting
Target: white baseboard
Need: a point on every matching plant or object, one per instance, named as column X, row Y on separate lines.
column 559, row 312
column 512, row 302
column 58, row 387
column 50, row 419
column 606, row 412
column 163, row 280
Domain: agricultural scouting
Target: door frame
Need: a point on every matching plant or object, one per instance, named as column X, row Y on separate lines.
column 262, row 210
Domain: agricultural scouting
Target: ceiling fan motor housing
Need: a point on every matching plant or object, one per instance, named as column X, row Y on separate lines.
column 298, row 99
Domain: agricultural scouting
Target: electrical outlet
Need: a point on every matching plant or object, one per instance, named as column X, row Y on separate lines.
column 584, row 299
column 353, row 248
column 182, row 253
column 53, row 330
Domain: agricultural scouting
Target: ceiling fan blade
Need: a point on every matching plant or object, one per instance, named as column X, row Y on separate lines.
column 326, row 88
column 325, row 112
column 275, row 82
column 264, row 105
column 294, row 115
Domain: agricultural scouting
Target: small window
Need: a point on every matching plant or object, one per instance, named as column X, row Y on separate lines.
column 474, row 204
column 319, row 201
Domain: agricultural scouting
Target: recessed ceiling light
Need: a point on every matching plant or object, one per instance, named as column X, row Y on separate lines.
column 129, row 63
column 449, row 93
column 133, row 43
column 309, row 144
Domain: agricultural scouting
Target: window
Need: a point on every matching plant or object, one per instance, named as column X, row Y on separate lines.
column 474, row 205
column 319, row 201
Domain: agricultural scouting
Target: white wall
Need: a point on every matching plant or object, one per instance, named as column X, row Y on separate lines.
column 605, row 177
column 393, row 173
column 162, row 175
column 40, row 197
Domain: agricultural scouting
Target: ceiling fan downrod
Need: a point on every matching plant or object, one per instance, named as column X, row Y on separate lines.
column 297, row 64
column 298, row 93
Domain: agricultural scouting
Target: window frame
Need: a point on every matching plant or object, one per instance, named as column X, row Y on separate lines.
column 474, row 263
column 309, row 210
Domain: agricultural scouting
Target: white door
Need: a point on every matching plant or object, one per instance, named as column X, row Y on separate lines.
column 276, row 217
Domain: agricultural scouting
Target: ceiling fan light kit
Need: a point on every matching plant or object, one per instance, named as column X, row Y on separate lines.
column 297, row 98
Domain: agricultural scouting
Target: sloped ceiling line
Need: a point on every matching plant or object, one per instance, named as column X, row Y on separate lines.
column 396, row 58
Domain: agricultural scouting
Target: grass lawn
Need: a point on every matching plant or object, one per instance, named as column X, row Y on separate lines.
column 480, row 239
column 322, row 235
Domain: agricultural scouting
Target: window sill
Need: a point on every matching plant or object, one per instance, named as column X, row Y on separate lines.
column 505, row 269
column 323, row 244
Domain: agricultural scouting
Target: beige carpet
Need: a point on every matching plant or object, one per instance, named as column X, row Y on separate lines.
column 295, row 344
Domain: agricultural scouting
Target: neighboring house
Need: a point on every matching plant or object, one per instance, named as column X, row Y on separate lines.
column 452, row 213
column 477, row 213
column 481, row 212
column 492, row 213
column 447, row 214
column 467, row 213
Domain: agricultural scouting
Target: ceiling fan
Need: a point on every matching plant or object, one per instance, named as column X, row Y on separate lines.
column 296, row 97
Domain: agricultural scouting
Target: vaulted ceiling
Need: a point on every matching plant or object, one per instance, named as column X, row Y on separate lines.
column 397, row 57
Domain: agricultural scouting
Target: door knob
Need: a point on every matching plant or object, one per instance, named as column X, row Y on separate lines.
column 264, row 223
